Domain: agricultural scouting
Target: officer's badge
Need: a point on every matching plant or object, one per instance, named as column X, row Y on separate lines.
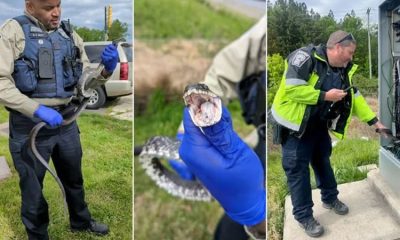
column 300, row 58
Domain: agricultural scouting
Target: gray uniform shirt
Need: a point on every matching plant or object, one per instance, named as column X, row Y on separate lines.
column 240, row 59
column 12, row 44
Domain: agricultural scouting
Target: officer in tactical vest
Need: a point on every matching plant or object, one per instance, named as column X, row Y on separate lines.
column 41, row 62
column 316, row 95
column 237, row 71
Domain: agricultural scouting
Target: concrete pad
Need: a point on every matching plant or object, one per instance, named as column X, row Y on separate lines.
column 4, row 169
column 369, row 218
column 123, row 110
column 392, row 199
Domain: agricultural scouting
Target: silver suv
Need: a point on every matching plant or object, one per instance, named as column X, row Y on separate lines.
column 120, row 82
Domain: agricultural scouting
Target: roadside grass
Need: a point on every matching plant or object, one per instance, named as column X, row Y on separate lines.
column 347, row 155
column 107, row 171
column 186, row 19
column 3, row 115
column 159, row 215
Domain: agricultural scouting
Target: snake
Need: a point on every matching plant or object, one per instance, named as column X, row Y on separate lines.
column 205, row 109
column 88, row 81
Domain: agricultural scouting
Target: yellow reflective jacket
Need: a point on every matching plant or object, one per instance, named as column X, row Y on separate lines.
column 299, row 92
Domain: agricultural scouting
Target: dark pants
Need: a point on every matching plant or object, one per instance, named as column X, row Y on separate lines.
column 63, row 146
column 228, row 229
column 314, row 148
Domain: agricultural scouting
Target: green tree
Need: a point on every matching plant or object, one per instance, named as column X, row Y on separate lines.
column 291, row 25
column 117, row 30
column 276, row 66
column 287, row 22
column 353, row 24
column 89, row 35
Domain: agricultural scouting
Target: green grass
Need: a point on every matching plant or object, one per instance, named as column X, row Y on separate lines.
column 107, row 170
column 159, row 215
column 186, row 19
column 3, row 115
column 347, row 155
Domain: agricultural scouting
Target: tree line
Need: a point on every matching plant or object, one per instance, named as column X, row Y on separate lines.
column 292, row 25
column 117, row 30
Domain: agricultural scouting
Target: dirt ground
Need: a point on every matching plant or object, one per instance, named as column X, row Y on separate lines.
column 169, row 65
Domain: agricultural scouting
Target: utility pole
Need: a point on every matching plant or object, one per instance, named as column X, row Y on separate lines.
column 107, row 20
column 369, row 46
column 105, row 23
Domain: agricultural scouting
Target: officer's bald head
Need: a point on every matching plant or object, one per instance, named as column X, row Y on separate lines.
column 48, row 12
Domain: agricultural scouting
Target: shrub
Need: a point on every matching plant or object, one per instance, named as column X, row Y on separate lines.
column 365, row 85
column 276, row 66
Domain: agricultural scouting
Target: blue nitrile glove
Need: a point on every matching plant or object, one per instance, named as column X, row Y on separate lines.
column 227, row 167
column 179, row 166
column 49, row 115
column 109, row 58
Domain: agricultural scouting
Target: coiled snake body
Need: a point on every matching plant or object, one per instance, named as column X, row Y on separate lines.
column 205, row 110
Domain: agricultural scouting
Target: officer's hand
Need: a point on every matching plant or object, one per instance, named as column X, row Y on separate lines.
column 109, row 58
column 49, row 115
column 383, row 130
column 180, row 167
column 227, row 167
column 335, row 95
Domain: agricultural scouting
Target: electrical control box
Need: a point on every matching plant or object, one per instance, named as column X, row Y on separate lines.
column 395, row 31
column 389, row 90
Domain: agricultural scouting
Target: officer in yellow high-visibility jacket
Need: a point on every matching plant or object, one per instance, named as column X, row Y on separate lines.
column 316, row 95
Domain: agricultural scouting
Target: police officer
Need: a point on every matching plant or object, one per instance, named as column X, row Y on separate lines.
column 238, row 71
column 316, row 95
column 40, row 64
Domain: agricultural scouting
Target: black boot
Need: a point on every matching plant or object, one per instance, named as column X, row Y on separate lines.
column 94, row 227
column 337, row 206
column 312, row 227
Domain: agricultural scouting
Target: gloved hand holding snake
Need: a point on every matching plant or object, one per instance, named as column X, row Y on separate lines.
column 220, row 160
column 229, row 169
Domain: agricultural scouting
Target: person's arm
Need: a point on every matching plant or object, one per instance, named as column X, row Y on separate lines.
column 298, row 71
column 362, row 110
column 109, row 57
column 12, row 44
column 240, row 59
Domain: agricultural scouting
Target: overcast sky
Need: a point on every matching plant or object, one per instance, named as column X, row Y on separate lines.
column 83, row 13
column 341, row 7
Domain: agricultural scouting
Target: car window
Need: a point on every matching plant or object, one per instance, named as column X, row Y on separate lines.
column 94, row 53
column 128, row 53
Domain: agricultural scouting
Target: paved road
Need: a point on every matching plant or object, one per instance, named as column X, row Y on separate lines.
column 121, row 108
column 251, row 8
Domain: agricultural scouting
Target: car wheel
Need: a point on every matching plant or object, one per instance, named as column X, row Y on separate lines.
column 97, row 99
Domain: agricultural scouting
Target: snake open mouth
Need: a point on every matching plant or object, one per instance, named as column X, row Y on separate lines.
column 205, row 107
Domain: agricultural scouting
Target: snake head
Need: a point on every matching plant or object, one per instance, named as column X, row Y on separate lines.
column 205, row 107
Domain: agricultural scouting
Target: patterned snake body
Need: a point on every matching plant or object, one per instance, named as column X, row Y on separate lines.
column 205, row 109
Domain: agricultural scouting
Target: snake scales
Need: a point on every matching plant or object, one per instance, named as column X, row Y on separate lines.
column 205, row 110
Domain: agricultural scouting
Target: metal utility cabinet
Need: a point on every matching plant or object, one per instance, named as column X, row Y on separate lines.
column 389, row 89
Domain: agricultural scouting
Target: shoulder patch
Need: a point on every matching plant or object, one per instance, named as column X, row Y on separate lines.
column 300, row 58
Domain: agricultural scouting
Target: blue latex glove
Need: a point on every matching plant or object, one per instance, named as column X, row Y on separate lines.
column 179, row 166
column 49, row 115
column 227, row 167
column 109, row 58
